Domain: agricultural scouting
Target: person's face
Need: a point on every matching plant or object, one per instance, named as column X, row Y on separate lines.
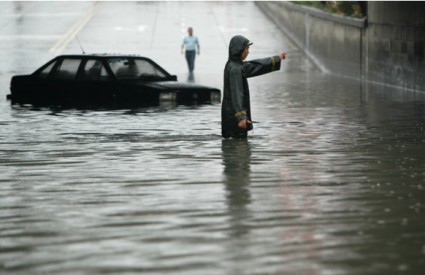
column 245, row 53
column 190, row 31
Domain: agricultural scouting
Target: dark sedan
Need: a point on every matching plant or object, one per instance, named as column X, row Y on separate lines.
column 105, row 79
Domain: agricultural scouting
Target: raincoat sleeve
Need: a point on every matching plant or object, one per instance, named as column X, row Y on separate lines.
column 236, row 86
column 261, row 66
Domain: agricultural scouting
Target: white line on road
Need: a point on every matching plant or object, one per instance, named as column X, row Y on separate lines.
column 74, row 30
column 13, row 37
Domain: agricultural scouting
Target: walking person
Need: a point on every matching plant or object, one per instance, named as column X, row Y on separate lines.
column 236, row 109
column 190, row 45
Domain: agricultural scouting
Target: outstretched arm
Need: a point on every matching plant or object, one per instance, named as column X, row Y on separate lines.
column 262, row 66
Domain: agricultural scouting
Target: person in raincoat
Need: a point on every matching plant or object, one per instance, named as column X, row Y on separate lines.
column 235, row 109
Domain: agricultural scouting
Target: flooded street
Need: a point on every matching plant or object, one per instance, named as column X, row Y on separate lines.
column 331, row 180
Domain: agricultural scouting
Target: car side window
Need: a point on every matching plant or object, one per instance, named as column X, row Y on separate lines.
column 124, row 68
column 68, row 69
column 104, row 75
column 95, row 71
column 92, row 70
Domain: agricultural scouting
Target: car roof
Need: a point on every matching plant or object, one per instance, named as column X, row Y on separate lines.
column 102, row 55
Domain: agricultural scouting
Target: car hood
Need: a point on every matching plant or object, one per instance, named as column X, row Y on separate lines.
column 174, row 85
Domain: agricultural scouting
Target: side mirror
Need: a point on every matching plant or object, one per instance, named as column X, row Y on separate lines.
column 173, row 77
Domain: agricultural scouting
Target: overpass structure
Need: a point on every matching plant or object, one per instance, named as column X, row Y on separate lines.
column 386, row 47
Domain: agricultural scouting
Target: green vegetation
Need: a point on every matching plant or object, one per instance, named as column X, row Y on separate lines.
column 346, row 8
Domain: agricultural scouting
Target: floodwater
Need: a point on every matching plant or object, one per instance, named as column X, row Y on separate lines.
column 331, row 181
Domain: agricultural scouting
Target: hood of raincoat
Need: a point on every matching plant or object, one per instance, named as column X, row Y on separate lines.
column 237, row 44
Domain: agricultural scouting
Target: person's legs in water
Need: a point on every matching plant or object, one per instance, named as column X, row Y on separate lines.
column 190, row 57
column 236, row 135
column 240, row 135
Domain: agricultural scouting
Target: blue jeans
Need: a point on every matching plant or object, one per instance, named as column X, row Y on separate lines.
column 190, row 58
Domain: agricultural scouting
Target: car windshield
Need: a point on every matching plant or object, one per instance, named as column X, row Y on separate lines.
column 132, row 68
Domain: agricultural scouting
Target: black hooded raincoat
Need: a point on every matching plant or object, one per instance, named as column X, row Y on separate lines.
column 236, row 103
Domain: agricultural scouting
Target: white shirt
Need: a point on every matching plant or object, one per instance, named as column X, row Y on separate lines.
column 190, row 43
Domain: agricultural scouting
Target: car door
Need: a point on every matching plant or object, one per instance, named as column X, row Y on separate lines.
column 63, row 83
column 96, row 85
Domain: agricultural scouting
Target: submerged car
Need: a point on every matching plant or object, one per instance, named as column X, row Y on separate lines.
column 105, row 79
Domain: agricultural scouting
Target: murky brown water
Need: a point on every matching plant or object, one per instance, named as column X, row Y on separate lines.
column 331, row 182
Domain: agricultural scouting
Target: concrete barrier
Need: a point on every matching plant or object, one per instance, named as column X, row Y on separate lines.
column 394, row 44
column 333, row 42
column 387, row 49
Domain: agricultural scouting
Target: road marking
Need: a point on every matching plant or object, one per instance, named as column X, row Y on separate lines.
column 28, row 37
column 61, row 44
column 141, row 28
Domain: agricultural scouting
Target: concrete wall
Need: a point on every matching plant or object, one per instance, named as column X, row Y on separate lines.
column 389, row 49
column 394, row 44
column 332, row 41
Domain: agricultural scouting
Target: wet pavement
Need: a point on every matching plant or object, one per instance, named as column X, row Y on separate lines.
column 331, row 181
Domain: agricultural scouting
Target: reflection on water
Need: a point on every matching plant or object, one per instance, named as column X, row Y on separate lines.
column 236, row 161
column 191, row 77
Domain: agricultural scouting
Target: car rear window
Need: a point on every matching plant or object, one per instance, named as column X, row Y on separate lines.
column 45, row 72
column 134, row 68
column 68, row 69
